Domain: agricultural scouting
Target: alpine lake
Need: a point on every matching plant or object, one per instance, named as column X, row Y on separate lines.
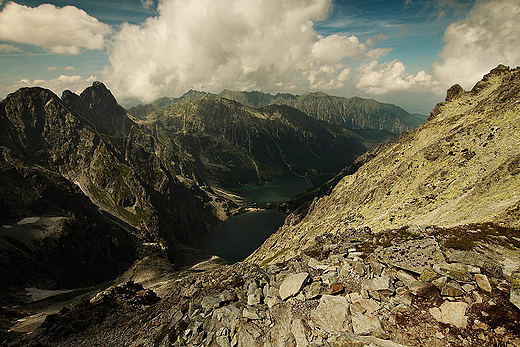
column 237, row 237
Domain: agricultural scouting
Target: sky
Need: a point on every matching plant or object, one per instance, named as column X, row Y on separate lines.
column 405, row 52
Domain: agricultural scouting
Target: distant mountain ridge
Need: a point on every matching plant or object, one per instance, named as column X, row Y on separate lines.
column 351, row 113
column 234, row 145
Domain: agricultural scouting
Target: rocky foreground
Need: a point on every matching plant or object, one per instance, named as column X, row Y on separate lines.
column 410, row 287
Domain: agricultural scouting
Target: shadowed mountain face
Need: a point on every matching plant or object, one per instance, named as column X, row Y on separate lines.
column 231, row 145
column 51, row 147
column 102, row 184
column 350, row 113
column 461, row 167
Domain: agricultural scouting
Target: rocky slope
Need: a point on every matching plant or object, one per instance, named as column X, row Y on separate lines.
column 231, row 145
column 460, row 167
column 401, row 288
column 351, row 113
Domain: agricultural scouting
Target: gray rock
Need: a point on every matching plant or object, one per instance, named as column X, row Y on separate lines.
column 298, row 332
column 210, row 302
column 223, row 341
column 255, row 298
column 452, row 288
column 457, row 271
column 364, row 306
column 440, row 282
column 453, row 313
column 227, row 295
column 405, row 277
column 272, row 301
column 404, row 299
column 471, row 258
column 250, row 313
column 315, row 289
column 316, row 264
column 331, row 313
column 376, row 267
column 423, row 289
column 383, row 283
column 413, row 255
column 366, row 325
column 359, row 268
column 483, row 283
column 468, row 288
column 292, row 285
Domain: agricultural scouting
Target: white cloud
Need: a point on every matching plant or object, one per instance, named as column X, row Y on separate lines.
column 7, row 48
column 488, row 36
column 51, row 68
column 68, row 68
column 377, row 79
column 74, row 83
column 241, row 44
column 63, row 30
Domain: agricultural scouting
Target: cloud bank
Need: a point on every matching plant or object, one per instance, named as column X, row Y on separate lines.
column 488, row 36
column 58, row 30
column 74, row 83
column 268, row 45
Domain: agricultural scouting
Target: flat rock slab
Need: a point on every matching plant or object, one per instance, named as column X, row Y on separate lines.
column 415, row 255
column 453, row 313
column 331, row 313
column 292, row 285
column 366, row 325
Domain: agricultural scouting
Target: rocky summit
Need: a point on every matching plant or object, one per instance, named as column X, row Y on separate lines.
column 416, row 244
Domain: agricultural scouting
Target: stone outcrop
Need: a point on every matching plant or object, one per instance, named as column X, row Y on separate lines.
column 248, row 305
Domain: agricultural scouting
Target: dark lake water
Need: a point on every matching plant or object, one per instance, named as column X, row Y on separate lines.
column 238, row 237
column 275, row 191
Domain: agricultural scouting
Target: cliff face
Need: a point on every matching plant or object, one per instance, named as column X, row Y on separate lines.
column 89, row 141
column 227, row 144
column 460, row 167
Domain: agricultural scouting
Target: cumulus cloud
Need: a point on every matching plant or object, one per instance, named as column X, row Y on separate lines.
column 74, row 83
column 488, row 36
column 68, row 68
column 377, row 79
column 65, row 30
column 241, row 44
column 7, row 48
column 51, row 68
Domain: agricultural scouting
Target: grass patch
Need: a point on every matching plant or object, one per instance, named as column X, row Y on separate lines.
column 279, row 253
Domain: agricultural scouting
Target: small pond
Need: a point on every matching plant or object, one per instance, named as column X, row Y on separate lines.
column 238, row 237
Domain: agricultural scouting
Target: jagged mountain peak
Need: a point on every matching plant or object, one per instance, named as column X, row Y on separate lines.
column 99, row 106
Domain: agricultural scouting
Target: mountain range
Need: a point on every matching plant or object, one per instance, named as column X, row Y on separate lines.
column 102, row 188
column 416, row 243
column 350, row 113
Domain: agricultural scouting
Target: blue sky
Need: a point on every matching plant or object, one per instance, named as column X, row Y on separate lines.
column 407, row 52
